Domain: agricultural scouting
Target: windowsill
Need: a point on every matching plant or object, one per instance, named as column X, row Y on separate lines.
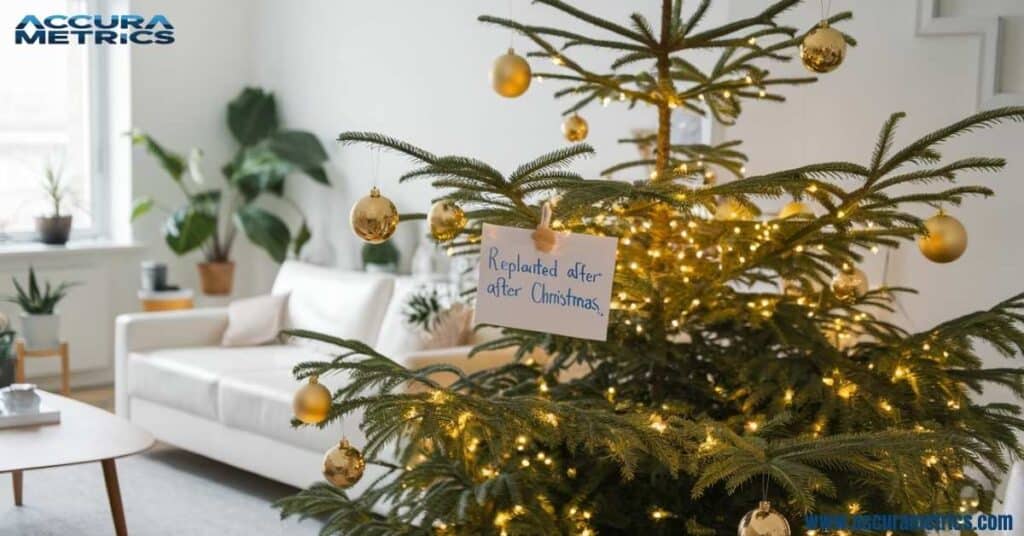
column 15, row 250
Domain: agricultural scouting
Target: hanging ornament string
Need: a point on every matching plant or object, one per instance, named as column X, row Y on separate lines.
column 375, row 164
column 511, row 32
column 826, row 8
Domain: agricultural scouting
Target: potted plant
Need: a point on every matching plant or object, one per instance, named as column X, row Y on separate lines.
column 210, row 218
column 382, row 257
column 40, row 322
column 56, row 228
column 6, row 351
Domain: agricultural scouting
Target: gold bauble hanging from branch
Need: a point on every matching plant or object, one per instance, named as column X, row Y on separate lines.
column 312, row 402
column 946, row 240
column 446, row 220
column 510, row 75
column 575, row 128
column 763, row 521
column 823, row 49
column 343, row 465
column 374, row 218
column 850, row 284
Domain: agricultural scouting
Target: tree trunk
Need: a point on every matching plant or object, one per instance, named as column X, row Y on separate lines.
column 665, row 87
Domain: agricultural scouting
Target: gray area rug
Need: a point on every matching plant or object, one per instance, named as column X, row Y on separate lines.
column 165, row 491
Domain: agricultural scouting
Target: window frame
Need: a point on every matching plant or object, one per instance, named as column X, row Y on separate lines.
column 97, row 113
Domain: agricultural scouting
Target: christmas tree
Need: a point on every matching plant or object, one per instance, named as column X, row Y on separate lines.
column 746, row 358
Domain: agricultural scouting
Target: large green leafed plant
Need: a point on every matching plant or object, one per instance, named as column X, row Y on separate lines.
column 266, row 156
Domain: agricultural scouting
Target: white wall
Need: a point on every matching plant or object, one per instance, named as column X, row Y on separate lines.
column 180, row 93
column 418, row 71
column 934, row 80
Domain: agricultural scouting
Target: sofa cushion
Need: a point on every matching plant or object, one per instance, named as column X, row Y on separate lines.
column 260, row 401
column 188, row 378
column 349, row 305
column 254, row 321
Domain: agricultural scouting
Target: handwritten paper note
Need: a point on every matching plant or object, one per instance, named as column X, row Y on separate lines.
column 566, row 292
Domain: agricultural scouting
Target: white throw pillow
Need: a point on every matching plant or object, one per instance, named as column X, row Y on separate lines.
column 254, row 321
column 397, row 337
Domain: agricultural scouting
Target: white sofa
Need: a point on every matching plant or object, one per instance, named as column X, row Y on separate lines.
column 234, row 405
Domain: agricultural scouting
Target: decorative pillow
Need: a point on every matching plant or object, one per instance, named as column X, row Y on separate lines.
column 397, row 338
column 254, row 321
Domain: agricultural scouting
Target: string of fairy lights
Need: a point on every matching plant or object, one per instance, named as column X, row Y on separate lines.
column 651, row 244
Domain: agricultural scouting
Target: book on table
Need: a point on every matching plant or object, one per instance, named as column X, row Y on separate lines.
column 41, row 415
column 21, row 406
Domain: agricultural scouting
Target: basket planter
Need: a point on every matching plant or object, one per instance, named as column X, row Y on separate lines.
column 216, row 278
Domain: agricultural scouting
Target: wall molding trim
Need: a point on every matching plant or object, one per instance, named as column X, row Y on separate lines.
column 990, row 31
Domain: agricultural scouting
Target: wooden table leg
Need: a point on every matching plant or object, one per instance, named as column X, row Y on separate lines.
column 65, row 382
column 19, row 365
column 16, row 478
column 114, row 496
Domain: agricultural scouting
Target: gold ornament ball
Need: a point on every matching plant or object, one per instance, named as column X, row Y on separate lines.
column 312, row 402
column 730, row 209
column 510, row 75
column 763, row 521
column 946, row 240
column 795, row 208
column 343, row 465
column 575, row 128
column 374, row 218
column 823, row 49
column 850, row 284
column 446, row 220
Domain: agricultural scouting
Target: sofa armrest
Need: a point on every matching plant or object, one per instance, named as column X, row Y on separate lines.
column 149, row 331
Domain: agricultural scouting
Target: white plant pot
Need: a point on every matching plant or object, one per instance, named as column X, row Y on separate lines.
column 40, row 331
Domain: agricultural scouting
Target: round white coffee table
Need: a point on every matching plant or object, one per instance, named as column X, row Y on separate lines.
column 85, row 434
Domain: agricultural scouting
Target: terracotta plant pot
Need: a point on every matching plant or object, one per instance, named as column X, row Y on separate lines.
column 216, row 278
column 54, row 230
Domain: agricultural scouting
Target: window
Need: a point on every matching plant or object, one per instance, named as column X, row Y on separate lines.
column 47, row 120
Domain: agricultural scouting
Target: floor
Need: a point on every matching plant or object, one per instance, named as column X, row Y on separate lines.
column 101, row 397
column 165, row 491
